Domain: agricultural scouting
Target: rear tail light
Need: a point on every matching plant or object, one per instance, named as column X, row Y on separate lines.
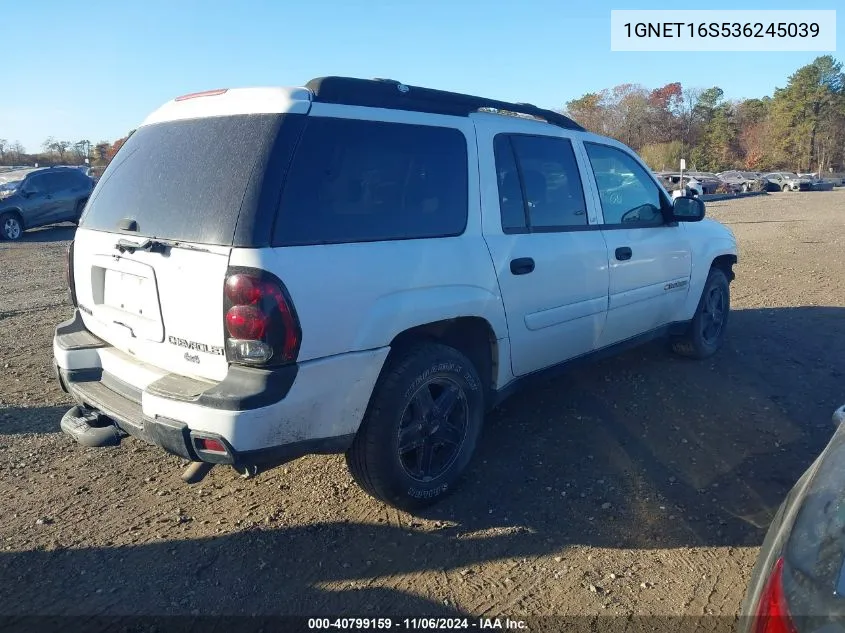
column 71, row 291
column 772, row 613
column 261, row 325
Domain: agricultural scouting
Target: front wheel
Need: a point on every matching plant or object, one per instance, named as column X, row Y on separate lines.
column 421, row 427
column 10, row 226
column 785, row 188
column 707, row 329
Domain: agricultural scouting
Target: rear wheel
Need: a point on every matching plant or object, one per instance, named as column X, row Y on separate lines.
column 707, row 330
column 421, row 428
column 10, row 226
column 785, row 188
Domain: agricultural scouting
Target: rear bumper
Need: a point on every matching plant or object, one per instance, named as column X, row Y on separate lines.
column 260, row 416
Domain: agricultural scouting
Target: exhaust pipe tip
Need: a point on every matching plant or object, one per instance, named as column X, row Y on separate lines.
column 196, row 472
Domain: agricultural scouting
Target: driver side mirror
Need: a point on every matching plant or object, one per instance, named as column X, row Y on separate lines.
column 687, row 209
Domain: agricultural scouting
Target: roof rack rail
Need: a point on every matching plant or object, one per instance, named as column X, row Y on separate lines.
column 389, row 93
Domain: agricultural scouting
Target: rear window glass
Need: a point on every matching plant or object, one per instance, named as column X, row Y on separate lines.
column 355, row 181
column 183, row 180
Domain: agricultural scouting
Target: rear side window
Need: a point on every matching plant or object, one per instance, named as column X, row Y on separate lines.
column 184, row 180
column 358, row 181
column 540, row 175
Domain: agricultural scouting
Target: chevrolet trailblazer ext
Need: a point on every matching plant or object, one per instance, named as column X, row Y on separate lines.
column 366, row 267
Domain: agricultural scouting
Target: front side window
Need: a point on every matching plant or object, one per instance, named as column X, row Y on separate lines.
column 39, row 184
column 543, row 172
column 358, row 181
column 628, row 195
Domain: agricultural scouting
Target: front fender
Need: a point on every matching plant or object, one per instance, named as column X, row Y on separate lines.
column 717, row 242
column 392, row 314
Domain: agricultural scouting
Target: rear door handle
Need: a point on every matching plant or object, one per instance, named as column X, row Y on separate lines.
column 623, row 253
column 522, row 265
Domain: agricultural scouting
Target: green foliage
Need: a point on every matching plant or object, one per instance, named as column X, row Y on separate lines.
column 800, row 128
column 663, row 156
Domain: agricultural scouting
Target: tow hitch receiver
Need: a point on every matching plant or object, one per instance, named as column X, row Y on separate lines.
column 90, row 428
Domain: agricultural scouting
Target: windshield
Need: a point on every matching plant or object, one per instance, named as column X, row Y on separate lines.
column 183, row 180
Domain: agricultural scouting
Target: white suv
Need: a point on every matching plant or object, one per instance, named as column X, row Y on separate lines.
column 365, row 267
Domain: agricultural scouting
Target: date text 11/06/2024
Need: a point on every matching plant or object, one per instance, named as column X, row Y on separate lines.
column 416, row 624
column 721, row 29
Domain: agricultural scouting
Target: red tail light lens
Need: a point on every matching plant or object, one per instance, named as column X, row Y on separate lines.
column 243, row 290
column 772, row 613
column 207, row 444
column 246, row 322
column 261, row 324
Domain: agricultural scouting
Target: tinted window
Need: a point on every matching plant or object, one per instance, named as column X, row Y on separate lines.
column 187, row 180
column 549, row 178
column 66, row 180
column 42, row 183
column 354, row 181
column 511, row 203
column 627, row 193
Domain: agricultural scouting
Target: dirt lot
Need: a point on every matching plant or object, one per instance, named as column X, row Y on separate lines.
column 640, row 485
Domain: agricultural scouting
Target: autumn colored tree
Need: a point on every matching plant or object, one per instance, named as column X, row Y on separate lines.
column 801, row 127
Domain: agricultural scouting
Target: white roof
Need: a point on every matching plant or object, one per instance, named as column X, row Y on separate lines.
column 233, row 101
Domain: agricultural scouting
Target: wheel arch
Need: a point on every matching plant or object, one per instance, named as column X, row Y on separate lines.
column 723, row 256
column 473, row 336
column 16, row 212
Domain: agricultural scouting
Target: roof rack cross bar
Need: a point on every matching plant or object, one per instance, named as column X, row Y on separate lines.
column 391, row 94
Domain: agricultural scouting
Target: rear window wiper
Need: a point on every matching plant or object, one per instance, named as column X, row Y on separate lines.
column 153, row 245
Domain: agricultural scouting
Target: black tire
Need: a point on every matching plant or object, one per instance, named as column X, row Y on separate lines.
column 426, row 374
column 11, row 227
column 707, row 330
column 785, row 188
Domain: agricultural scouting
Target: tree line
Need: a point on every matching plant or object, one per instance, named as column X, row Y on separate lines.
column 799, row 128
column 59, row 152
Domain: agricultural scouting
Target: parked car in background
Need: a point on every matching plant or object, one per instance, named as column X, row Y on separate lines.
column 798, row 582
column 671, row 181
column 709, row 182
column 742, row 180
column 45, row 196
column 788, row 181
column 817, row 183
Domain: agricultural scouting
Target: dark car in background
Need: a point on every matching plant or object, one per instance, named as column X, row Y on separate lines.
column 45, row 196
column 709, row 181
column 742, row 180
column 798, row 582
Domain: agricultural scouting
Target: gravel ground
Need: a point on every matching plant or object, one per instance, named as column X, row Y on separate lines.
column 639, row 485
